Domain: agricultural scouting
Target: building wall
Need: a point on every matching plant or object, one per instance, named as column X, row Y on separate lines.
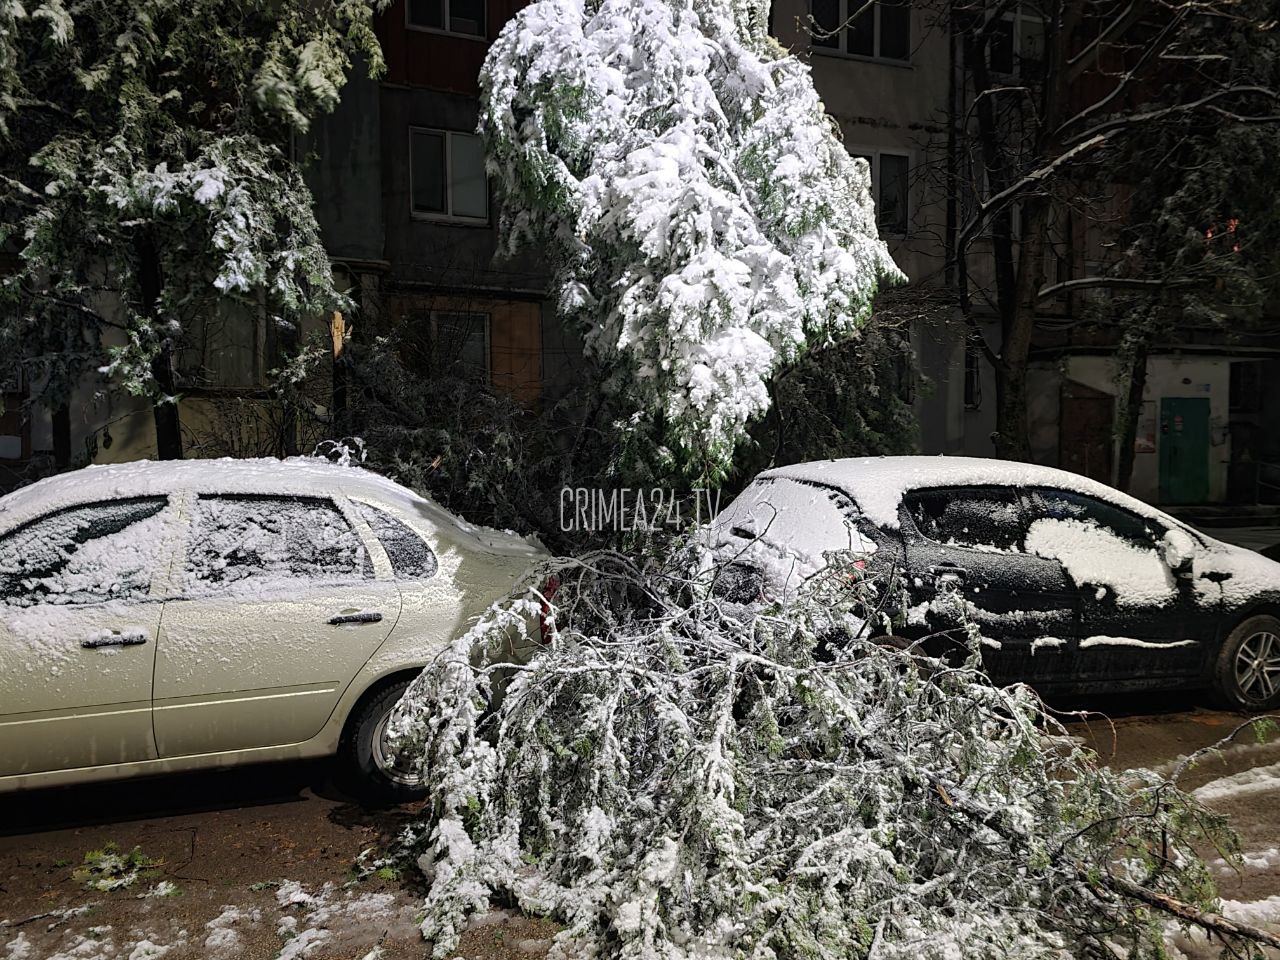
column 343, row 157
column 1168, row 375
column 889, row 106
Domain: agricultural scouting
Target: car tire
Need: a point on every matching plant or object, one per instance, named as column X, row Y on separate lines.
column 365, row 770
column 1246, row 673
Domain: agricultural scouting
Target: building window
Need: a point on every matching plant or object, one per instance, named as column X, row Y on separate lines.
column 465, row 17
column 1017, row 43
column 460, row 343
column 890, row 189
column 877, row 29
column 447, row 178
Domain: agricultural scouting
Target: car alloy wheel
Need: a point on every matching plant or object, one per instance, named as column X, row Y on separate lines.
column 391, row 766
column 1258, row 665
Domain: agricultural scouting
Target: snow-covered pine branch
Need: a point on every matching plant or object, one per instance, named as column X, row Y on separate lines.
column 676, row 776
column 703, row 219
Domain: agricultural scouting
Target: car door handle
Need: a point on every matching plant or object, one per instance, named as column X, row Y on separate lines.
column 363, row 616
column 115, row 638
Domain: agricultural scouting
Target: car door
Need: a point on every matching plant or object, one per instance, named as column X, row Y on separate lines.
column 78, row 628
column 281, row 600
column 966, row 543
column 1137, row 618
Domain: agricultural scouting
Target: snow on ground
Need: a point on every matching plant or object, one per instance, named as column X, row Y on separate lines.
column 223, row 940
column 329, row 921
column 1256, row 862
column 1254, row 780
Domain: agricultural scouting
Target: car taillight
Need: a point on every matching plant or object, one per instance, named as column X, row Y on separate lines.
column 548, row 591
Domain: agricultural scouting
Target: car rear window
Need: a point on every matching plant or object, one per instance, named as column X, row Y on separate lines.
column 411, row 558
column 249, row 536
column 799, row 516
column 83, row 554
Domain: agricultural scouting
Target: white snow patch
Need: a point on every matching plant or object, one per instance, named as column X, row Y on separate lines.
column 1259, row 861
column 1093, row 556
column 1255, row 780
column 1105, row 641
column 19, row 948
column 1258, row 913
column 146, row 950
column 1046, row 643
column 334, row 923
column 85, row 948
column 291, row 893
column 223, row 940
column 165, row 888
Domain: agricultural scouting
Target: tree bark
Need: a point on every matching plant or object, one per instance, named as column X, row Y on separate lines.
column 62, row 436
column 165, row 409
column 1127, row 435
column 1013, row 436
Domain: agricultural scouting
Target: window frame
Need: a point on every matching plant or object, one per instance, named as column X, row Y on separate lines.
column 840, row 50
column 448, row 216
column 1018, row 17
column 482, row 36
column 873, row 155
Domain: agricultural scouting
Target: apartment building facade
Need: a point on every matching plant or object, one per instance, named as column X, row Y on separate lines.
column 407, row 215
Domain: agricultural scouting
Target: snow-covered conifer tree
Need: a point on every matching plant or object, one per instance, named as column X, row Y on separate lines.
column 704, row 221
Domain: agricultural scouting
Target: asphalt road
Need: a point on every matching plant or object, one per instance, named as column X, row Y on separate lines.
column 229, row 842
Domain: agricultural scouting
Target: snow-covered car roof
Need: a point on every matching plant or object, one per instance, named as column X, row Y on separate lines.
column 877, row 484
column 297, row 476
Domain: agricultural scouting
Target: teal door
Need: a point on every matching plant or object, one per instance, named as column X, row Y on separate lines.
column 1184, row 449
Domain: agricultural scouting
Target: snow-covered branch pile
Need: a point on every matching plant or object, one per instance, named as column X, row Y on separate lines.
column 675, row 776
column 704, row 221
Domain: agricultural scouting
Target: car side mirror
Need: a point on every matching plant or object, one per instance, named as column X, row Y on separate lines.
column 1178, row 550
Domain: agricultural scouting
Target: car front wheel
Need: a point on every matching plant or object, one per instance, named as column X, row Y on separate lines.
column 1247, row 671
column 370, row 768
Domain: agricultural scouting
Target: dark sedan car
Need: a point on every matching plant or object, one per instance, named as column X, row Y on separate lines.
column 1072, row 585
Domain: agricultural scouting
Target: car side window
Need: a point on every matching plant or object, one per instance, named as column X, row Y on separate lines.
column 1065, row 505
column 84, row 554
column 975, row 517
column 252, row 537
column 411, row 558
